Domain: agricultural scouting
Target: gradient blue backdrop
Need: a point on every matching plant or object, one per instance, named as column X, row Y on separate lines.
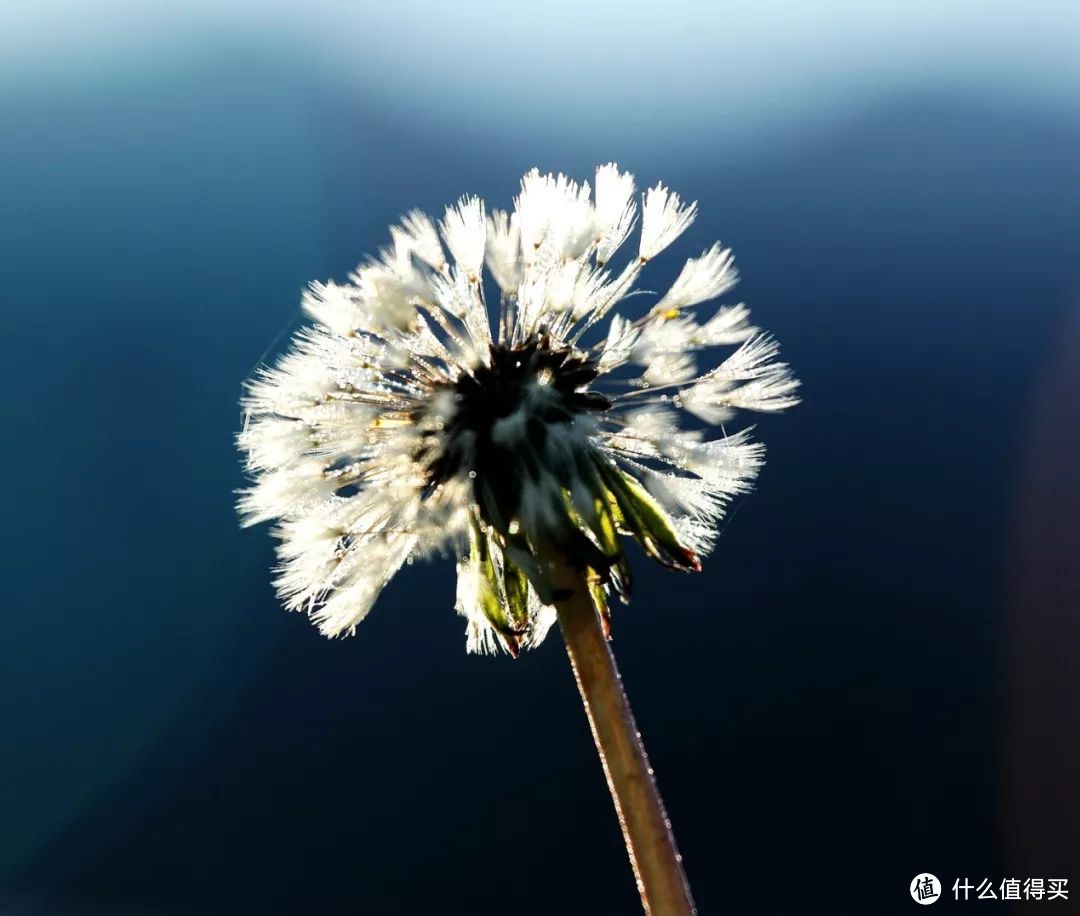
column 831, row 708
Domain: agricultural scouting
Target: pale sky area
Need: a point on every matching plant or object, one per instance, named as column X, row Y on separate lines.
column 443, row 60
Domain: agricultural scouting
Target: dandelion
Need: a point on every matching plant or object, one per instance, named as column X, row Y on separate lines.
column 529, row 445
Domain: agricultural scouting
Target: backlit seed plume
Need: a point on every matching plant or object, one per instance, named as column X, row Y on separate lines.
column 409, row 420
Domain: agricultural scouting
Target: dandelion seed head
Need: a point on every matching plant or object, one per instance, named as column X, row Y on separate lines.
column 411, row 420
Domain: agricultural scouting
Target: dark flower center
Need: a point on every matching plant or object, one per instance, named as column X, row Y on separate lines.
column 505, row 412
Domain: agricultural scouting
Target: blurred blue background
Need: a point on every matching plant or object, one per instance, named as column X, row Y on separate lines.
column 873, row 677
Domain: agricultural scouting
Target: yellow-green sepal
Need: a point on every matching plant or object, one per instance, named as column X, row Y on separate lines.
column 645, row 520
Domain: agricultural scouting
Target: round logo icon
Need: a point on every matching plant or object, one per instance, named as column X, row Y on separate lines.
column 925, row 889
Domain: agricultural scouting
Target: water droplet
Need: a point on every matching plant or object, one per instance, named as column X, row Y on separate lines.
column 472, row 475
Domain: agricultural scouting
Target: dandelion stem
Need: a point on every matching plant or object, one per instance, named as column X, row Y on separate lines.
column 650, row 844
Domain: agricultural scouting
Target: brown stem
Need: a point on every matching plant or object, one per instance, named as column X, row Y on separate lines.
column 656, row 862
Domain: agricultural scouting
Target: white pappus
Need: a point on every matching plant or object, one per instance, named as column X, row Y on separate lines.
column 409, row 421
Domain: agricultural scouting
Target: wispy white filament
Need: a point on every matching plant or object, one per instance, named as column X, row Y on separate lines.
column 663, row 219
